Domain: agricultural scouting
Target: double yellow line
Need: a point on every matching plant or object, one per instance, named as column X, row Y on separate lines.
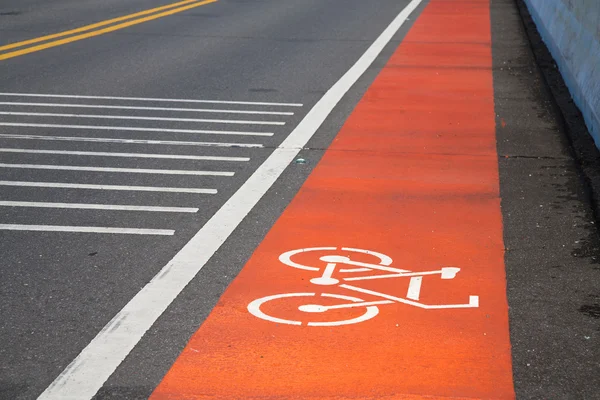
column 31, row 46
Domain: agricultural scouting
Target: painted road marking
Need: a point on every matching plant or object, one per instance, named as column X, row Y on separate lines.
column 177, row 109
column 118, row 170
column 414, row 288
column 340, row 262
column 108, row 207
column 86, row 229
column 382, row 260
column 61, row 185
column 473, row 300
column 93, row 26
column 153, row 99
column 98, row 32
column 413, row 174
column 128, row 141
column 136, row 129
column 101, row 169
column 139, row 118
column 92, row 367
column 126, row 155
column 370, row 311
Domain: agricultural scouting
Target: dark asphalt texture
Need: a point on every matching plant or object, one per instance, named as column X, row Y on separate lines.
column 58, row 290
column 550, row 232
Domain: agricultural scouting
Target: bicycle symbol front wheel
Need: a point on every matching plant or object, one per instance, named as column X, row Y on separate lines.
column 289, row 258
column 370, row 311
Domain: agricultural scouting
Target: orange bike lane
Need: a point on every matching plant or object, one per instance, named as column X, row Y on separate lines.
column 402, row 213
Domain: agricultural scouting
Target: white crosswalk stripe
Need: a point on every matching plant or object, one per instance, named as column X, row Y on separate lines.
column 65, row 175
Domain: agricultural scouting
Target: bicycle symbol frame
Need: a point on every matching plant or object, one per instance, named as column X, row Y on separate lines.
column 345, row 265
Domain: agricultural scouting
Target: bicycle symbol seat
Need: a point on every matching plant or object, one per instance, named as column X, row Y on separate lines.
column 344, row 266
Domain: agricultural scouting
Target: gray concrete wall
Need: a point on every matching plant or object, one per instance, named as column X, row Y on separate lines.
column 571, row 30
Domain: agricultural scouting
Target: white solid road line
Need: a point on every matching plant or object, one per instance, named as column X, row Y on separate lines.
column 85, row 229
column 125, row 155
column 109, row 107
column 86, row 374
column 139, row 118
column 128, row 141
column 118, row 170
column 135, row 129
column 65, row 96
column 108, row 207
column 62, row 185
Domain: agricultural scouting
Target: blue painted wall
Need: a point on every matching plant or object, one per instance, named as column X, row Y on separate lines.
column 571, row 30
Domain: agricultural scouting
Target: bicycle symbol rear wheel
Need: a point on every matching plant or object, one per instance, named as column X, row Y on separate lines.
column 255, row 309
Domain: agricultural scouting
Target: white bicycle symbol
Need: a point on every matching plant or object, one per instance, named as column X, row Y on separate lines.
column 344, row 265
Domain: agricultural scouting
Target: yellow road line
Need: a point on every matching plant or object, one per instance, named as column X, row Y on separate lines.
column 113, row 28
column 93, row 26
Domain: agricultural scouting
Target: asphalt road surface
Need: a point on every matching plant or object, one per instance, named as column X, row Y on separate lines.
column 119, row 143
column 59, row 289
